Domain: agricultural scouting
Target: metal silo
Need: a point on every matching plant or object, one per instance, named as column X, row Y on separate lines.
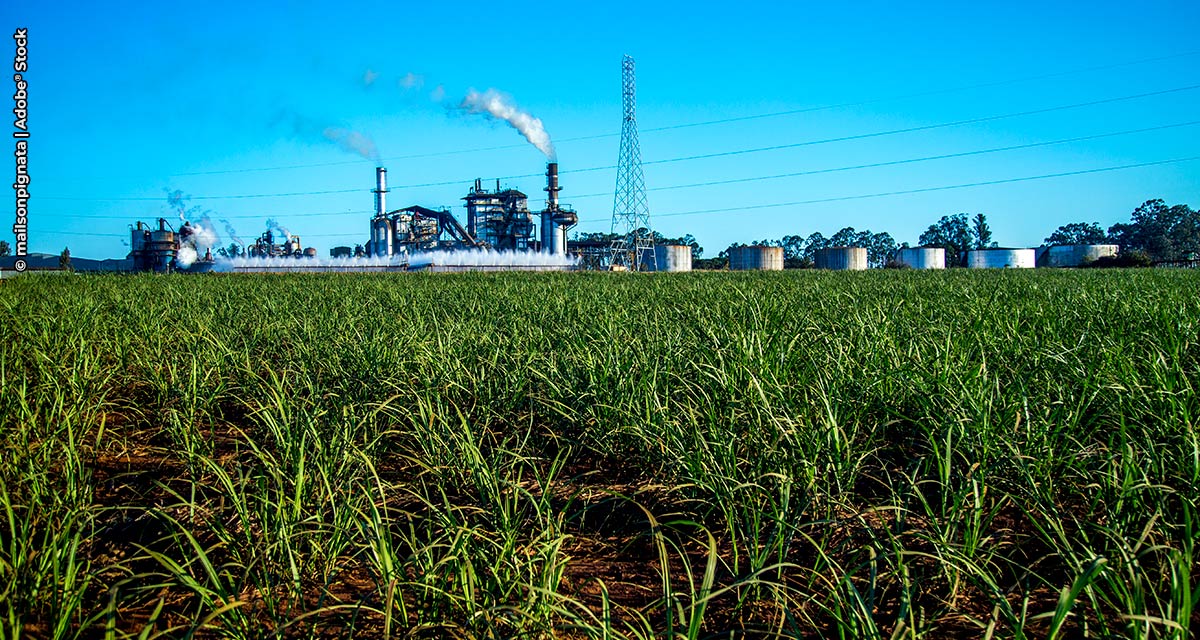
column 756, row 258
column 1001, row 259
column 672, row 257
column 922, row 257
column 1075, row 255
column 841, row 258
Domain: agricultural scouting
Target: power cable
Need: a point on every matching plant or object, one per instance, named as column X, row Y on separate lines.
column 760, row 116
column 732, row 180
column 774, row 205
column 891, row 163
column 735, row 152
column 913, row 191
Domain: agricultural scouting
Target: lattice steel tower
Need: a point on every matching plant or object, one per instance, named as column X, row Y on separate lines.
column 634, row 246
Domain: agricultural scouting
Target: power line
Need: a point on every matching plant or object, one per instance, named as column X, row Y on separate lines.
column 229, row 197
column 861, row 136
column 1046, row 176
column 891, row 163
column 929, row 126
column 684, row 159
column 760, row 116
column 923, row 190
column 260, row 216
column 743, row 180
column 775, row 205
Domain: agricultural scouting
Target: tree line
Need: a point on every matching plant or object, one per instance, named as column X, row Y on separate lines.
column 1155, row 233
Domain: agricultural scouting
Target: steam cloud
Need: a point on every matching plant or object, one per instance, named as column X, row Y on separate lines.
column 274, row 226
column 204, row 236
column 495, row 105
column 347, row 139
column 232, row 232
column 412, row 80
column 465, row 259
column 353, row 141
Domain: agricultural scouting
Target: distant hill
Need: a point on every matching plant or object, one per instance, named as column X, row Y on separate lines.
column 49, row 261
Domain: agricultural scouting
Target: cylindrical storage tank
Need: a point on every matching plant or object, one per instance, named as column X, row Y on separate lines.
column 1001, row 259
column 756, row 258
column 1075, row 255
column 381, row 237
column 672, row 257
column 549, row 232
column 922, row 257
column 841, row 258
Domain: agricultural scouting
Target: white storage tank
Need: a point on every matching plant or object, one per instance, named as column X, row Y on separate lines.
column 1075, row 255
column 1001, row 259
column 922, row 257
column 672, row 257
column 756, row 258
column 841, row 258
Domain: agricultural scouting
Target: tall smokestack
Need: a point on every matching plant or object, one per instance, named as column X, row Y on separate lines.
column 552, row 187
column 554, row 236
column 380, row 191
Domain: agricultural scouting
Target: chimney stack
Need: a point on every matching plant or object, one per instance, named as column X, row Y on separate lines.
column 380, row 191
column 552, row 187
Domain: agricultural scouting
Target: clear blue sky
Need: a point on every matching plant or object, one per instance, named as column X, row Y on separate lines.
column 128, row 103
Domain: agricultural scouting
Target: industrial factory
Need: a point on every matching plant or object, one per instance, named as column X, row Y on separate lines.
column 498, row 221
column 163, row 249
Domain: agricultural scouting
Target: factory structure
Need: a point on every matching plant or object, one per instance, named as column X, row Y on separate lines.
column 498, row 220
column 163, row 250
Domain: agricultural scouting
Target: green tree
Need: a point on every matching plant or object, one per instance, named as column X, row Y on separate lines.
column 952, row 233
column 687, row 241
column 983, row 233
column 1077, row 233
column 64, row 260
column 813, row 244
column 1164, row 233
column 5, row 249
column 880, row 247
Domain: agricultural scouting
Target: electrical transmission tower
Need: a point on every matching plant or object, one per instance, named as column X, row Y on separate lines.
column 633, row 248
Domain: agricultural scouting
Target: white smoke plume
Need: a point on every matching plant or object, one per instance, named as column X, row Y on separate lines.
column 204, row 235
column 178, row 201
column 490, row 259
column 412, row 80
column 306, row 128
column 186, row 256
column 496, row 105
column 353, row 141
column 274, row 226
column 281, row 264
column 232, row 233
column 465, row 260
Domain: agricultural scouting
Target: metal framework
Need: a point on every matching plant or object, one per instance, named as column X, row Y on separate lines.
column 499, row 219
column 633, row 249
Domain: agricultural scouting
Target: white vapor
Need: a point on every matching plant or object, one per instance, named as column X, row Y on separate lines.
column 306, row 128
column 493, row 104
column 186, row 256
column 490, row 258
column 353, row 142
column 412, row 80
column 204, row 235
